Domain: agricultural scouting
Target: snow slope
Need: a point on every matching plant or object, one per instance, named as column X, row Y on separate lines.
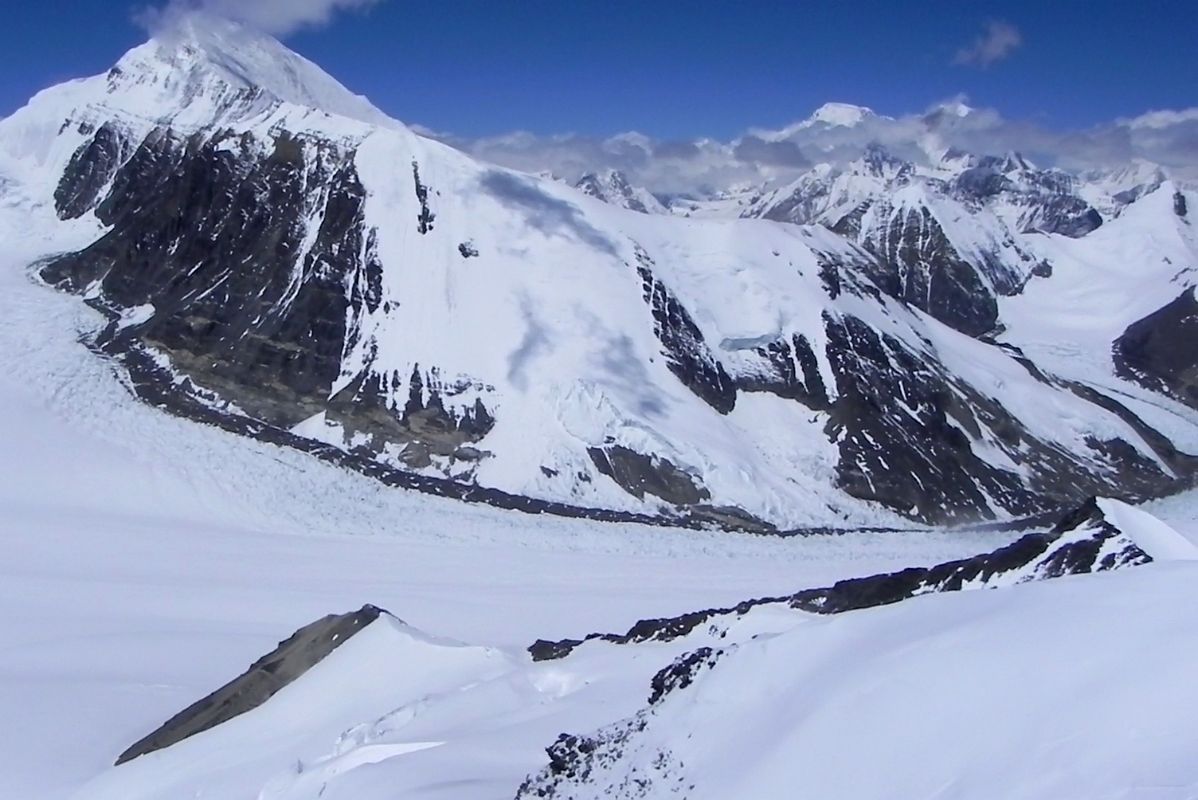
column 148, row 559
column 1126, row 269
column 160, row 557
column 1159, row 540
column 941, row 696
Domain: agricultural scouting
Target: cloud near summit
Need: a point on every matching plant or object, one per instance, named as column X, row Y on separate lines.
column 276, row 17
column 1167, row 138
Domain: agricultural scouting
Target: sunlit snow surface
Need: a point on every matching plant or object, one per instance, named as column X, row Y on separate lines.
column 550, row 327
column 149, row 559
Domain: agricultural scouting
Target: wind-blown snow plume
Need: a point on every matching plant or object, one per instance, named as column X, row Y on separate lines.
column 276, row 17
column 999, row 41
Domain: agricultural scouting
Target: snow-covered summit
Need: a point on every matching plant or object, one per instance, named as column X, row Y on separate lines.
column 948, row 111
column 844, row 115
column 200, row 71
column 612, row 186
column 829, row 115
column 197, row 50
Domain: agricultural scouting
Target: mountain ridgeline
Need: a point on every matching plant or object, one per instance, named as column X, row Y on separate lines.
column 862, row 347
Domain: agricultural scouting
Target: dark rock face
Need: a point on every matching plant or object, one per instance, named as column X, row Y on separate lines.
column 91, row 168
column 1160, row 350
column 914, row 457
column 425, row 219
column 681, row 673
column 575, row 761
column 1074, row 225
column 1184, row 465
column 982, row 182
column 1179, row 204
column 801, row 207
column 900, row 421
column 209, row 232
column 881, row 163
column 918, row 265
column 1082, row 541
column 688, row 356
column 1047, row 198
column 424, row 427
column 916, row 261
column 639, row 474
column 212, row 241
column 294, row 656
column 617, row 191
column 779, row 376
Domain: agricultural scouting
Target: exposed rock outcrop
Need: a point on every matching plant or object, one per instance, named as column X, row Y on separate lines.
column 1083, row 541
column 682, row 343
column 294, row 656
column 639, row 474
column 1160, row 351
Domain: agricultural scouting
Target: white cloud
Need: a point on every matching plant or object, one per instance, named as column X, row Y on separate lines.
column 1168, row 138
column 276, row 17
column 998, row 41
column 1162, row 119
column 664, row 166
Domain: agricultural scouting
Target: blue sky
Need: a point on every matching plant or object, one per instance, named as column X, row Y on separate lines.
column 686, row 69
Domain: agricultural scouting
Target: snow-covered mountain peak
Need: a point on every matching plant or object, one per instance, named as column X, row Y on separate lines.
column 881, row 163
column 1014, row 161
column 1137, row 172
column 957, row 107
column 612, row 186
column 829, row 115
column 844, row 115
column 948, row 115
column 203, row 56
column 1111, row 190
column 199, row 73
